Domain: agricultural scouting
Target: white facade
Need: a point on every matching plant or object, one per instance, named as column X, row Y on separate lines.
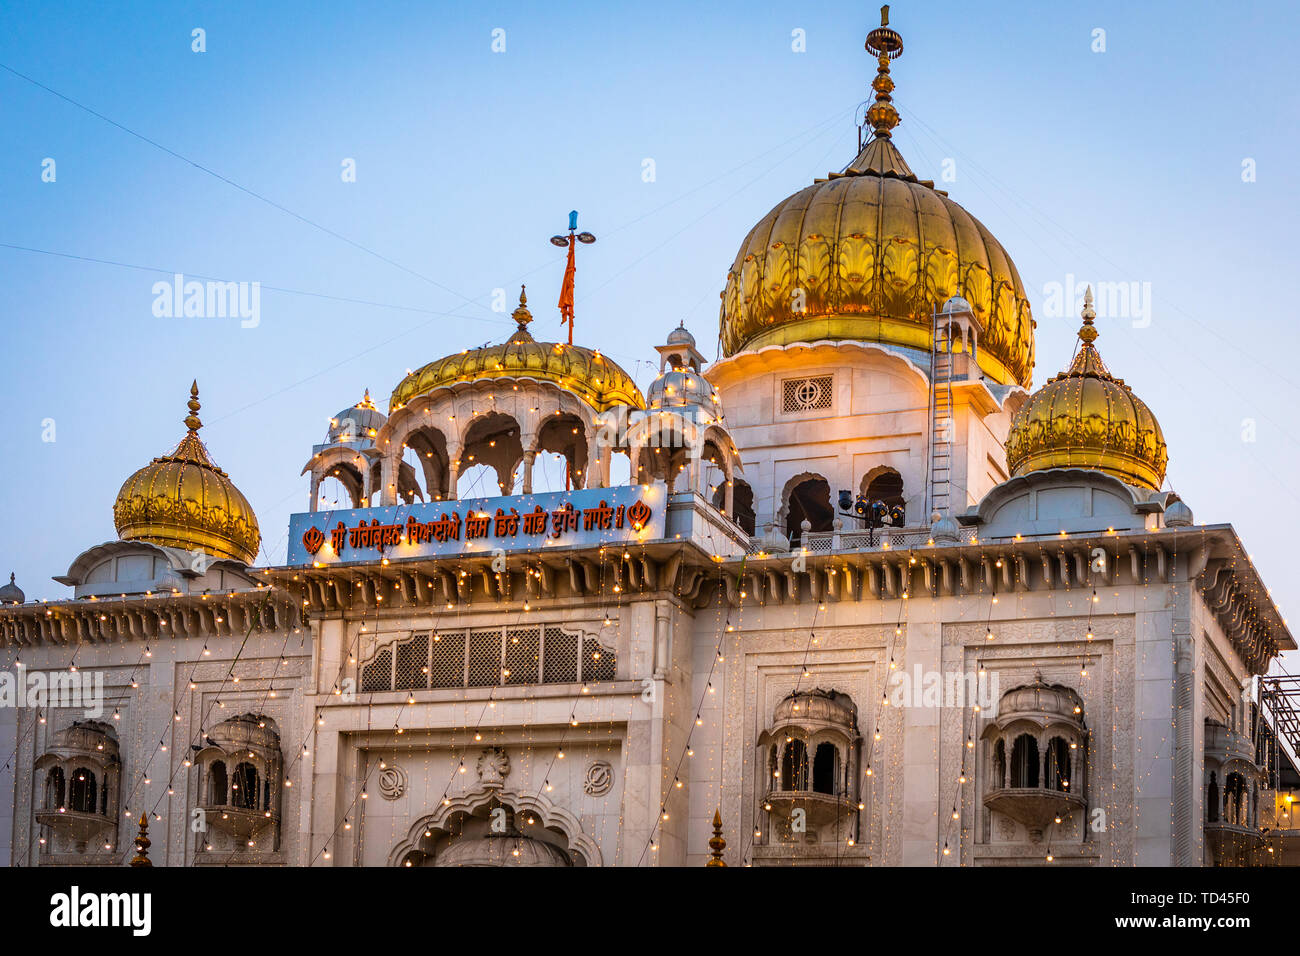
column 1177, row 630
column 595, row 701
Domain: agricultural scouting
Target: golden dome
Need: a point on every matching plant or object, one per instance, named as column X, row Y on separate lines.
column 183, row 500
column 597, row 380
column 1086, row 418
column 870, row 254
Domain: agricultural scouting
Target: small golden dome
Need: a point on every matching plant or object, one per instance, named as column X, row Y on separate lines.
column 870, row 254
column 183, row 500
column 1086, row 418
column 593, row 377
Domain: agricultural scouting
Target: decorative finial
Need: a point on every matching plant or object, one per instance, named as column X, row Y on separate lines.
column 366, row 402
column 521, row 314
column 1088, row 333
column 717, row 843
column 887, row 45
column 142, row 844
column 192, row 421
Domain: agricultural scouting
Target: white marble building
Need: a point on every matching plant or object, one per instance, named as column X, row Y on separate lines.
column 860, row 502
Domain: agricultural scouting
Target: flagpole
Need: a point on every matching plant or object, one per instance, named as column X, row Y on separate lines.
column 570, row 270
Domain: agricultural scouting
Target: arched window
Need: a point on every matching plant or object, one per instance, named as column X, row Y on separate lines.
column 809, row 500
column 886, row 486
column 561, row 461
column 54, row 788
column 999, row 765
column 1234, row 799
column 217, row 790
column 340, row 487
column 826, row 769
column 478, row 481
column 1058, row 765
column 244, row 787
column 1212, row 800
column 794, row 766
column 81, row 791
column 1024, row 762
column 742, row 503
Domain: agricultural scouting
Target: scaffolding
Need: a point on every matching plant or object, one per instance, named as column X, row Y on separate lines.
column 1279, row 740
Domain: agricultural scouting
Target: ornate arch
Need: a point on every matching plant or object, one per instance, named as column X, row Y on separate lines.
column 783, row 513
column 552, row 817
column 352, row 464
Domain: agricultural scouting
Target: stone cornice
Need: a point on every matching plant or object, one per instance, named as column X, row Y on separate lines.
column 461, row 581
column 1209, row 556
column 141, row 617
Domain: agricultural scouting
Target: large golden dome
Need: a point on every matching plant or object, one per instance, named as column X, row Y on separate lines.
column 1086, row 418
column 870, row 254
column 597, row 380
column 183, row 500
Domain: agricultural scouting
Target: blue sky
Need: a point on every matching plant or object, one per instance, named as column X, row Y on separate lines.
column 1123, row 165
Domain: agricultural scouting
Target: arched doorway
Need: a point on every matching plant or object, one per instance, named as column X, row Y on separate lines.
column 500, row 828
column 809, row 499
column 885, row 484
column 742, row 504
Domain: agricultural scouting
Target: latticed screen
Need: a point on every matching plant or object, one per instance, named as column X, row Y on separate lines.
column 560, row 661
column 597, row 662
column 412, row 660
column 447, row 662
column 488, row 657
column 806, row 394
column 523, row 655
column 378, row 674
column 484, row 658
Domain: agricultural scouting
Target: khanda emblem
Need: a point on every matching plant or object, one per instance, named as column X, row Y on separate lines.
column 312, row 539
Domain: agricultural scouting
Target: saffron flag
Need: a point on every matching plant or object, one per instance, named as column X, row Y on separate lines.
column 566, row 291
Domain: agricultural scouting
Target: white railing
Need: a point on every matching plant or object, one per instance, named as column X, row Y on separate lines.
column 884, row 539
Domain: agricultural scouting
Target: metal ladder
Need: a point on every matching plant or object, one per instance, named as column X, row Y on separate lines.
column 941, row 422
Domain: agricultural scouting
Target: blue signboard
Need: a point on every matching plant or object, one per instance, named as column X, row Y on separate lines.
column 586, row 518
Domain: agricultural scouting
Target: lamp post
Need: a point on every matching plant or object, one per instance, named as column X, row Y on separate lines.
column 874, row 514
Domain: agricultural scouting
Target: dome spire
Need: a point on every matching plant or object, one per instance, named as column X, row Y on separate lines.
column 1087, row 418
column 192, row 421
column 1087, row 361
column 11, row 593
column 887, row 45
column 183, row 500
column 523, row 317
column 879, row 156
column 1087, row 332
column 521, row 314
